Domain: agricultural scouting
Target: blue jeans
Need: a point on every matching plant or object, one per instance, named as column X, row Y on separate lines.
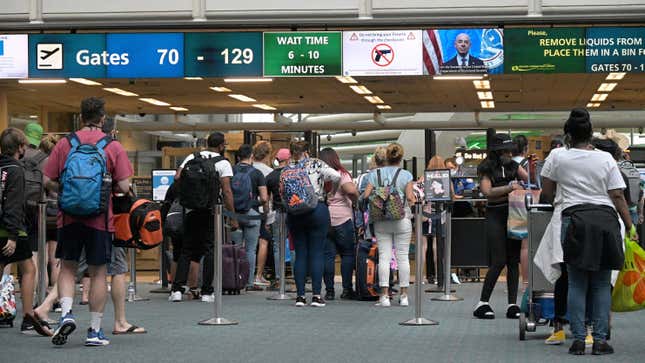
column 593, row 289
column 309, row 233
column 341, row 241
column 249, row 233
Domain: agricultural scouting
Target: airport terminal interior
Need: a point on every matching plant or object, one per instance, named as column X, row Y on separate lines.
column 439, row 78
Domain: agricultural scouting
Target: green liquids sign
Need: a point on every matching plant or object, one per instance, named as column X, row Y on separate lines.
column 544, row 50
column 303, row 54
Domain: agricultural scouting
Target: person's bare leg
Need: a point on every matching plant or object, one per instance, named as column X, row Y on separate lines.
column 173, row 270
column 66, row 279
column 86, row 282
column 54, row 263
column 263, row 248
column 43, row 310
column 193, row 274
column 27, row 285
column 118, row 300
column 98, row 288
column 34, row 259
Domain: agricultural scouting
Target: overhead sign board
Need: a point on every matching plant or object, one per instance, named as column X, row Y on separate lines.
column 223, row 54
column 382, row 53
column 615, row 50
column 545, row 50
column 302, row 54
column 448, row 51
column 145, row 55
column 70, row 55
column 14, row 62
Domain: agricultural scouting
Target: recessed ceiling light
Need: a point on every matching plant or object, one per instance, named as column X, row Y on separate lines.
column 87, row 82
column 346, row 79
column 154, row 101
column 41, row 81
column 607, row 87
column 247, row 80
column 33, row 116
column 593, row 104
column 616, row 76
column 384, row 107
column 599, row 97
column 242, row 98
column 487, row 104
column 485, row 84
column 121, row 92
column 458, row 77
column 264, row 107
column 485, row 95
column 374, row 99
column 220, row 89
column 361, row 90
column 175, row 108
column 193, row 78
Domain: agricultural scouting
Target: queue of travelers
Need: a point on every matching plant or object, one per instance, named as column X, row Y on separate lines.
column 325, row 212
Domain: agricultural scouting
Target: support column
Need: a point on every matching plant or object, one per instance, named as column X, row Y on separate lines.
column 4, row 111
column 36, row 11
column 535, row 8
column 199, row 10
column 431, row 145
column 43, row 118
column 365, row 9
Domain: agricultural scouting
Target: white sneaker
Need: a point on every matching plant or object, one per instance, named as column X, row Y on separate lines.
column 403, row 300
column 384, row 301
column 208, row 298
column 175, row 296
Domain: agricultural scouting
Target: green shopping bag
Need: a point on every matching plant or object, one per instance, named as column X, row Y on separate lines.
column 629, row 292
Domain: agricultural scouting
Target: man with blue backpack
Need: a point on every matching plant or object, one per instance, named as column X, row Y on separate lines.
column 249, row 192
column 85, row 169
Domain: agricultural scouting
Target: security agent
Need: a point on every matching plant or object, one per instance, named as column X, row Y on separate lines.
column 463, row 61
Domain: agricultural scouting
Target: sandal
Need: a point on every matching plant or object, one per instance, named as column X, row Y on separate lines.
column 41, row 327
column 131, row 330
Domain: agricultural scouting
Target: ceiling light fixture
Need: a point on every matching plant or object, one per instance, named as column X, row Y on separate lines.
column 487, row 104
column 242, row 98
column 247, row 80
column 458, row 77
column 175, row 108
column 485, row 95
column 264, row 107
column 374, row 99
column 599, row 97
column 121, row 92
column 154, row 101
column 33, row 116
column 482, row 85
column 41, row 81
column 607, row 87
column 384, row 107
column 193, row 78
column 361, row 90
column 220, row 89
column 87, row 82
column 616, row 76
column 593, row 104
column 346, row 79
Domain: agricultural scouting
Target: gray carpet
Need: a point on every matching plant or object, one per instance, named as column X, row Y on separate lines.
column 275, row 331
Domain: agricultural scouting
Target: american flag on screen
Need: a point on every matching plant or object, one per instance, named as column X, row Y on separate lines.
column 432, row 52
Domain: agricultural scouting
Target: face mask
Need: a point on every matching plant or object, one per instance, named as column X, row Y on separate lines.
column 276, row 163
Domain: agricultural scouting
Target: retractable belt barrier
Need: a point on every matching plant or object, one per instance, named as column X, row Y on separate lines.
column 447, row 254
column 41, row 290
column 418, row 319
column 282, row 249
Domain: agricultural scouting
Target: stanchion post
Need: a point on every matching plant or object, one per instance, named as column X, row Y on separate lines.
column 418, row 320
column 447, row 264
column 41, row 290
column 218, row 216
column 282, row 250
column 132, row 286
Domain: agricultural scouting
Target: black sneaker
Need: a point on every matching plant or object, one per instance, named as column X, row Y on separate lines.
column 601, row 348
column 27, row 329
column 318, row 302
column 484, row 312
column 348, row 294
column 513, row 312
column 330, row 295
column 301, row 301
column 577, row 348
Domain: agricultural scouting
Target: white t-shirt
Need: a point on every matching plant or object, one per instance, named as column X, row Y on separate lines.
column 223, row 167
column 583, row 176
column 263, row 168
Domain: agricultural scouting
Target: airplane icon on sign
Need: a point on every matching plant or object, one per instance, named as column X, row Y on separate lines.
column 50, row 56
column 48, row 53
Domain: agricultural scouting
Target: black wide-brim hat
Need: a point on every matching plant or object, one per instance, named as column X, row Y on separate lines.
column 502, row 142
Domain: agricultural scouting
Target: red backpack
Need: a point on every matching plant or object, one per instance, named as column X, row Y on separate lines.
column 138, row 226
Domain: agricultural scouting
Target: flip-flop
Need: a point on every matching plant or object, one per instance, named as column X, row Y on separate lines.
column 37, row 323
column 84, row 303
column 131, row 330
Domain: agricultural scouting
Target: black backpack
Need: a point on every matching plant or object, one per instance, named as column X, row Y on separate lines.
column 34, row 188
column 200, row 186
column 632, row 178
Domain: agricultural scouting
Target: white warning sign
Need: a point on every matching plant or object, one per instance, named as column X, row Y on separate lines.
column 382, row 53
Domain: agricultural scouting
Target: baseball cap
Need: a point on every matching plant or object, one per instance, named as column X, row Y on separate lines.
column 502, row 142
column 283, row 154
column 34, row 132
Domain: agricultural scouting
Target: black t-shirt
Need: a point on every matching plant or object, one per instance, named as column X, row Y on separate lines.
column 499, row 175
column 273, row 186
column 257, row 179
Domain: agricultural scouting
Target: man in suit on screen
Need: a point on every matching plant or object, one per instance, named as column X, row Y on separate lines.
column 463, row 61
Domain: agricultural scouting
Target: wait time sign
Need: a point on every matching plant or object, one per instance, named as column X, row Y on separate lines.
column 302, row 54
